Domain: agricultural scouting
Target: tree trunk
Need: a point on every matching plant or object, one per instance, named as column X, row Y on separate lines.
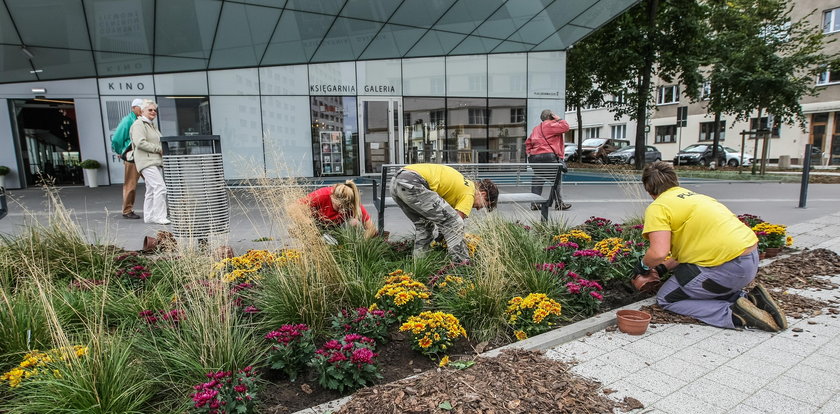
column 716, row 140
column 580, row 134
column 755, row 137
column 643, row 88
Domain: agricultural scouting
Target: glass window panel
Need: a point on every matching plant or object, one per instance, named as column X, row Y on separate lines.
column 555, row 16
column 379, row 77
column 284, row 80
column 436, row 43
column 50, row 23
column 297, row 36
column 507, row 130
column 335, row 124
column 332, row 79
column 184, row 115
column 7, row 30
column 243, row 34
column 424, row 77
column 178, row 64
column 14, row 66
column 564, row 38
column 601, row 12
column 507, row 75
column 392, row 41
column 510, row 17
column 507, row 47
column 237, row 122
column 278, row 4
column 466, row 130
column 536, row 106
column 320, row 6
column 346, row 40
column 420, row 13
column 547, row 75
column 424, row 132
column 114, row 64
column 466, row 75
column 193, row 83
column 186, row 28
column 466, row 15
column 286, row 132
column 379, row 10
column 234, row 82
column 474, row 45
column 121, row 26
column 62, row 63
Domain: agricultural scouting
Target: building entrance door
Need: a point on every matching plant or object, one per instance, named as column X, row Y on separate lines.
column 380, row 126
column 47, row 141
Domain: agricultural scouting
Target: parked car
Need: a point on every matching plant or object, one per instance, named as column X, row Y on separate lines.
column 597, row 149
column 570, row 152
column 732, row 156
column 699, row 154
column 627, row 155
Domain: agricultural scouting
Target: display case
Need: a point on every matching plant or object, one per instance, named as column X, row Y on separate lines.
column 332, row 157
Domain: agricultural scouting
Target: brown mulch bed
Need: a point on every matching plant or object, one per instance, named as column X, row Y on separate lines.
column 797, row 271
column 516, row 381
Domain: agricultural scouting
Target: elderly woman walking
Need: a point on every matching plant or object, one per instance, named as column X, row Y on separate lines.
column 148, row 157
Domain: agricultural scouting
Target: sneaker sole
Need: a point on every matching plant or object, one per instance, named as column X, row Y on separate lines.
column 756, row 317
column 774, row 310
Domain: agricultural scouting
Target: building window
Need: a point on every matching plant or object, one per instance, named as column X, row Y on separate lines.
column 828, row 77
column 478, row 116
column 774, row 132
column 619, row 99
column 618, row 131
column 666, row 133
column 707, row 131
column 668, row 95
column 517, row 115
column 592, row 132
column 831, row 21
column 437, row 118
column 706, row 90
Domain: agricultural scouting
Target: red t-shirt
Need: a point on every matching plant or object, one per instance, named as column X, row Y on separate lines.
column 319, row 201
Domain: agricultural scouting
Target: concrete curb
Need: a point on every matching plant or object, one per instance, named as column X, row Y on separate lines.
column 547, row 340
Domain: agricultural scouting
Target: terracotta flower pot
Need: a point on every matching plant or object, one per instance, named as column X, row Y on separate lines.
column 633, row 322
column 646, row 283
column 762, row 256
column 772, row 251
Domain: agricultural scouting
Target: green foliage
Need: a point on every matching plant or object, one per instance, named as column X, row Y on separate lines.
column 109, row 379
column 90, row 164
column 291, row 348
column 4, row 170
column 291, row 295
column 363, row 321
column 362, row 262
column 23, row 326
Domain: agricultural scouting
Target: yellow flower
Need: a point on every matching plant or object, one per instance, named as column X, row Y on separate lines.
column 520, row 335
column 444, row 361
column 424, row 342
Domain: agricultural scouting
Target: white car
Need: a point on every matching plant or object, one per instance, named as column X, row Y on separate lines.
column 732, row 156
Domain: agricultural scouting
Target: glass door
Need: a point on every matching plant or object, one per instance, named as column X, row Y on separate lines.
column 380, row 126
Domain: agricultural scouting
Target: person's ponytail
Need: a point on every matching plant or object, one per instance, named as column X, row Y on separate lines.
column 348, row 197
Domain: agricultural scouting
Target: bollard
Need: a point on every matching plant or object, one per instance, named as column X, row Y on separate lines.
column 806, row 170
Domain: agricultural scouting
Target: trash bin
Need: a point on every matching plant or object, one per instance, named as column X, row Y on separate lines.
column 195, row 186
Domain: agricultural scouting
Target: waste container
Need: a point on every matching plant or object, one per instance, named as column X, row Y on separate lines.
column 195, row 186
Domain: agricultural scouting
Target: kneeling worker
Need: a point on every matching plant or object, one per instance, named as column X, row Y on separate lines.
column 713, row 256
column 435, row 195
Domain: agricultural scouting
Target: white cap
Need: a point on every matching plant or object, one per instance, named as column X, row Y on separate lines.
column 137, row 102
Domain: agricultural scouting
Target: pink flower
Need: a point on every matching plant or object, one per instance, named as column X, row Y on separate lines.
column 240, row 388
column 596, row 295
column 362, row 356
column 573, row 287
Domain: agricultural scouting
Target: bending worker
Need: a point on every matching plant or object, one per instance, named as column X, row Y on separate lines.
column 713, row 256
column 340, row 204
column 435, row 195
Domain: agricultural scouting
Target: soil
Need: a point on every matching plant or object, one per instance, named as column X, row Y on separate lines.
column 517, row 381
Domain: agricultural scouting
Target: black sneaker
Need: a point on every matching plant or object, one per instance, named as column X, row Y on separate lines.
column 761, row 297
column 754, row 317
column 131, row 216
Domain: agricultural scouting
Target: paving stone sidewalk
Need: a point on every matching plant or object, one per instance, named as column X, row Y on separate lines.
column 700, row 369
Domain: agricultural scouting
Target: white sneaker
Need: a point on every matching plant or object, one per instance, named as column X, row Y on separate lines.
column 164, row 221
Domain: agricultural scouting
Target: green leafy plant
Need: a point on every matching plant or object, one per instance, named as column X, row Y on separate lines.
column 291, row 348
column 90, row 164
column 4, row 170
column 227, row 392
column 346, row 364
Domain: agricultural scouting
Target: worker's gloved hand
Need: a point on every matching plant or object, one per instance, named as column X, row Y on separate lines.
column 640, row 268
column 440, row 238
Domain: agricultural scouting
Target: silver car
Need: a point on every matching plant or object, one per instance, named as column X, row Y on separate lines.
column 627, row 155
column 732, row 156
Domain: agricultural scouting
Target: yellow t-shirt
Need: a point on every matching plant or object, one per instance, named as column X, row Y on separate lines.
column 703, row 231
column 451, row 185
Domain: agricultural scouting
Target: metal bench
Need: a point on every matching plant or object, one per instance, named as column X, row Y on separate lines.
column 504, row 175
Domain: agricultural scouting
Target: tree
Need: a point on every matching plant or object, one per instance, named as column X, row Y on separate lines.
column 761, row 60
column 663, row 38
column 581, row 82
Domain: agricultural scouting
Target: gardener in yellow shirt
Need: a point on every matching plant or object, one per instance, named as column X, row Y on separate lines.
column 713, row 255
column 435, row 195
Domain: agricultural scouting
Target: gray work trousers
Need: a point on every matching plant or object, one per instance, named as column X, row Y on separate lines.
column 427, row 210
column 707, row 293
